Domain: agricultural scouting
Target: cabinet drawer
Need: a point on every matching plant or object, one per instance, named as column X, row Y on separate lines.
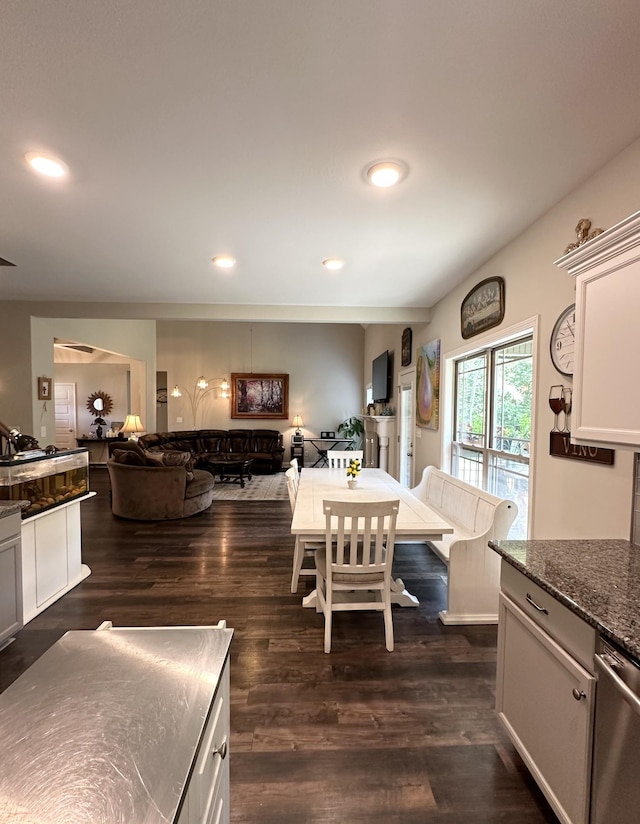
column 568, row 629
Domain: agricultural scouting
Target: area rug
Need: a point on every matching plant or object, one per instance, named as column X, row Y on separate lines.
column 259, row 488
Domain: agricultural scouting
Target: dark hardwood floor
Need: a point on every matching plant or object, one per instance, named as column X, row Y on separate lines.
column 359, row 735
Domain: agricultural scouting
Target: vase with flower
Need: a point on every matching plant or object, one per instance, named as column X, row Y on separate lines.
column 353, row 470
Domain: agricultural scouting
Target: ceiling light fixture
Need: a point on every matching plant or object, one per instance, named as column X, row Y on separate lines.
column 46, row 165
column 386, row 173
column 333, row 263
column 224, row 261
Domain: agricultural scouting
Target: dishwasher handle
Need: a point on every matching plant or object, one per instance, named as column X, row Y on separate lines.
column 627, row 693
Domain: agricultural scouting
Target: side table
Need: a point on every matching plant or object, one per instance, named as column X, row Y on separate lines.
column 297, row 451
column 229, row 469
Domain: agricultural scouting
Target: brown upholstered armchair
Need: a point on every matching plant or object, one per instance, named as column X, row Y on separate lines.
column 146, row 490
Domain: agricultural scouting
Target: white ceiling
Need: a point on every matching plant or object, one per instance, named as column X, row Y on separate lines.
column 199, row 127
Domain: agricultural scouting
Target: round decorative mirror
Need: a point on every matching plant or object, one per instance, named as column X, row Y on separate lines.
column 99, row 404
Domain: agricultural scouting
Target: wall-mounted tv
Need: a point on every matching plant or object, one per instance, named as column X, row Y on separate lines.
column 381, row 378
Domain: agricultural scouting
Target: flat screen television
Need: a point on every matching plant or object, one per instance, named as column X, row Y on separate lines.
column 381, row 378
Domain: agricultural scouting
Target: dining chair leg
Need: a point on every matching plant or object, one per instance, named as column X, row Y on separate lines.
column 388, row 625
column 328, row 614
column 298, row 557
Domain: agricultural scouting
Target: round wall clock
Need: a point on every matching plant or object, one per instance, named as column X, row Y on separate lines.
column 563, row 341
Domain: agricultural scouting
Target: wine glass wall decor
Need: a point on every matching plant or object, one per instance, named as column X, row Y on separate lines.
column 556, row 402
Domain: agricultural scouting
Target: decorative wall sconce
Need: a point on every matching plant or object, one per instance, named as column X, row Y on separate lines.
column 200, row 390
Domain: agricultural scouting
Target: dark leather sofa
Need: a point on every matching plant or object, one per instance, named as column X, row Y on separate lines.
column 263, row 446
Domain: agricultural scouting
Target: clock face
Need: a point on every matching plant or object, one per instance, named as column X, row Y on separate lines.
column 563, row 341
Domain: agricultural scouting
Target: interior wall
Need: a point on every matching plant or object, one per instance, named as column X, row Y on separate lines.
column 135, row 340
column 17, row 389
column 571, row 499
column 90, row 378
column 323, row 361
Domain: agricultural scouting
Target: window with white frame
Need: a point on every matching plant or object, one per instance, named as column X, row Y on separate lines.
column 492, row 423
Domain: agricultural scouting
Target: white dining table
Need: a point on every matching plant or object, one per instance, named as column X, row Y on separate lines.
column 416, row 521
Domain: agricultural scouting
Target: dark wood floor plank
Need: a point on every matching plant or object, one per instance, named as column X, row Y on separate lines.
column 360, row 735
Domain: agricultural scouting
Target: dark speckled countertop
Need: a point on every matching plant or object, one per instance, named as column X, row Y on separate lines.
column 598, row 580
column 10, row 507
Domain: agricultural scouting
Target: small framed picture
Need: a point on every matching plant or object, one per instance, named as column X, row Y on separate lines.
column 44, row 389
column 406, row 347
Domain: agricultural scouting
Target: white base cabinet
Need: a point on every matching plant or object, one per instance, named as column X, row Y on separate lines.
column 545, row 697
column 206, row 800
column 10, row 577
column 51, row 557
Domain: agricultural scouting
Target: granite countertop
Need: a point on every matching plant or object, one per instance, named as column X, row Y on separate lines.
column 599, row 580
column 11, row 507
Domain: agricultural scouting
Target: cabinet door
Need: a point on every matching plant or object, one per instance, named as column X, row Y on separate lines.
column 545, row 701
column 605, row 401
column 10, row 588
column 605, row 396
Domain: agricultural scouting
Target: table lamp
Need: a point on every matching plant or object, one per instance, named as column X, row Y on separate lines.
column 297, row 421
column 132, row 427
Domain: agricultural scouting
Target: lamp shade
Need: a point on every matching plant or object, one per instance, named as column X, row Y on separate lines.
column 132, row 426
column 297, row 422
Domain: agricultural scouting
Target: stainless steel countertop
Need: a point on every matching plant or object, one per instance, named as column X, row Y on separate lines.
column 103, row 728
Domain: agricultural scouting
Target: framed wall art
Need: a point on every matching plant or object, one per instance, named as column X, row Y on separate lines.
column 259, row 396
column 483, row 307
column 44, row 389
column 406, row 347
column 428, row 386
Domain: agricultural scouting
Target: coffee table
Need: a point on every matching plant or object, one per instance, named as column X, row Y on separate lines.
column 230, row 470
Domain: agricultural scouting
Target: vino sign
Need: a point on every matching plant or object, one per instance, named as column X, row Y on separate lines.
column 561, row 447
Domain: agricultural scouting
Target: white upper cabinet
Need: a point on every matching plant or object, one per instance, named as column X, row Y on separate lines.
column 606, row 381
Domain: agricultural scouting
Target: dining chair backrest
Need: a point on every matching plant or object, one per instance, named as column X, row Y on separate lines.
column 294, row 463
column 340, row 458
column 359, row 537
column 292, row 485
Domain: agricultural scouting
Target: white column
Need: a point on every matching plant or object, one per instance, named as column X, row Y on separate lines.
column 384, row 427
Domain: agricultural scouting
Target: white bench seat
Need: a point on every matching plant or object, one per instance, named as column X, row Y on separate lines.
column 473, row 569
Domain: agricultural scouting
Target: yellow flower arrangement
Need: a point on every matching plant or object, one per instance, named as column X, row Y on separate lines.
column 353, row 470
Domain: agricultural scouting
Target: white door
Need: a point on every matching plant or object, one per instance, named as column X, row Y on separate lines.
column 65, row 412
column 406, row 428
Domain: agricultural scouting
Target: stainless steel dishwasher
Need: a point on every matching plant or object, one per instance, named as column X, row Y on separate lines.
column 615, row 789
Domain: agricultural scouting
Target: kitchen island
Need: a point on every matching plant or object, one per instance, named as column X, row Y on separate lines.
column 598, row 580
column 120, row 725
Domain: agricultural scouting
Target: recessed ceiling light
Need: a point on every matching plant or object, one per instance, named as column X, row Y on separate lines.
column 386, row 173
column 333, row 263
column 46, row 165
column 224, row 261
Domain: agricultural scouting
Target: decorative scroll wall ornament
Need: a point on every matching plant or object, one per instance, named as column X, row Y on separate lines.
column 584, row 232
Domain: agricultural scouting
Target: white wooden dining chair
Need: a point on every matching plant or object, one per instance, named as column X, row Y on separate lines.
column 302, row 548
column 353, row 570
column 294, row 463
column 339, row 458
